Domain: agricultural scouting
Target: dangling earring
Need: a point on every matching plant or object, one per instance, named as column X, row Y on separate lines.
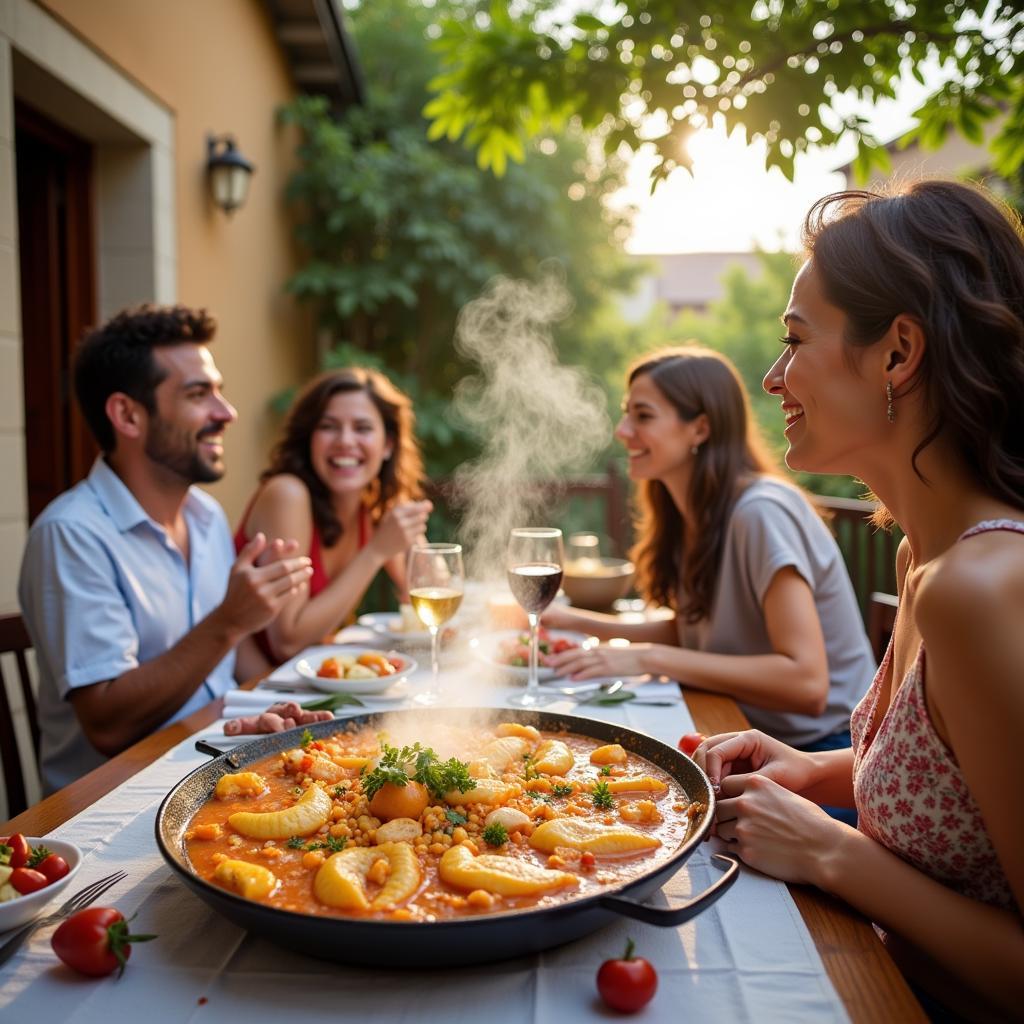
column 890, row 411
column 695, row 449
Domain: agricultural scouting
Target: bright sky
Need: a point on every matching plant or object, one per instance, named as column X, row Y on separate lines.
column 731, row 203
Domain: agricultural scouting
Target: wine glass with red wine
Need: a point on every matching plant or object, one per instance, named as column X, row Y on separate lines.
column 534, row 563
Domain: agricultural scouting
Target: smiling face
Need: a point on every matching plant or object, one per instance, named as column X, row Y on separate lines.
column 349, row 443
column 658, row 441
column 833, row 395
column 186, row 433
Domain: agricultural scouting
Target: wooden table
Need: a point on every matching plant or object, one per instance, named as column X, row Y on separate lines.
column 870, row 986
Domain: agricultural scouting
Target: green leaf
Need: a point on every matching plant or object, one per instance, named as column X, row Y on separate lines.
column 332, row 703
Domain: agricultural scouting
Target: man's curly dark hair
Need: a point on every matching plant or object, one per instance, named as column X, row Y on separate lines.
column 118, row 356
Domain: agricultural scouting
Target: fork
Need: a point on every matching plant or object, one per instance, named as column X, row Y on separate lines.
column 79, row 901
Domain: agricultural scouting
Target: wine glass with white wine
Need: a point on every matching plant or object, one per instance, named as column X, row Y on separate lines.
column 534, row 563
column 436, row 581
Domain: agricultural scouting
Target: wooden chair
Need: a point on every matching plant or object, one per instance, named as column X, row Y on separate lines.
column 14, row 639
column 881, row 620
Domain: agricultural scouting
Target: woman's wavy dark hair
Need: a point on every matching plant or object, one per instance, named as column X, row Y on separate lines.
column 401, row 476
column 952, row 257
column 696, row 380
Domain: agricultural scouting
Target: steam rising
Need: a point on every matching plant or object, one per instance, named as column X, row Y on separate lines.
column 539, row 421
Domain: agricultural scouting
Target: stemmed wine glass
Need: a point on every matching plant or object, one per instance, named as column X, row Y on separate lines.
column 435, row 580
column 534, row 563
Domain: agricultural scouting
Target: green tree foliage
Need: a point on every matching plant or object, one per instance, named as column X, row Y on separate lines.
column 401, row 230
column 785, row 70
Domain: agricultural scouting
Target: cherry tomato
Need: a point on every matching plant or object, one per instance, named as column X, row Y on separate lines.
column 690, row 742
column 54, row 866
column 95, row 941
column 627, row 984
column 20, row 850
column 26, row 880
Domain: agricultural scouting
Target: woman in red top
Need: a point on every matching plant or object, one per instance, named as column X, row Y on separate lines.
column 345, row 481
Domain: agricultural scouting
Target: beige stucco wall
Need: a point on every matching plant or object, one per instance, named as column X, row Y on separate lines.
column 216, row 66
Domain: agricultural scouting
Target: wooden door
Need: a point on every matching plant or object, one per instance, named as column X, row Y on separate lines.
column 55, row 244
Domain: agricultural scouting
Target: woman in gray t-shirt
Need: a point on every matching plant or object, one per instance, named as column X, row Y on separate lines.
column 765, row 611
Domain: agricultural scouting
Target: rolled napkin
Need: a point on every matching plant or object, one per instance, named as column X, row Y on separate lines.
column 244, row 702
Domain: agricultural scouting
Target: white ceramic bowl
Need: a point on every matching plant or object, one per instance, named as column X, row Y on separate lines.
column 308, row 665
column 488, row 647
column 23, row 909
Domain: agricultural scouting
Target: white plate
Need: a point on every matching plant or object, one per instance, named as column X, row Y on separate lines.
column 23, row 909
column 487, row 646
column 388, row 626
column 308, row 664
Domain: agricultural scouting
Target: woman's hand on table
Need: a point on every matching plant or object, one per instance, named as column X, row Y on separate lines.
column 278, row 717
column 775, row 831
column 590, row 663
column 751, row 751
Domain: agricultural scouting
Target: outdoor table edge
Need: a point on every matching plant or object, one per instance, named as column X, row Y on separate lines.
column 869, row 984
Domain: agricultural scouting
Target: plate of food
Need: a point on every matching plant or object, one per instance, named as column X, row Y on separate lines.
column 509, row 649
column 32, row 872
column 357, row 670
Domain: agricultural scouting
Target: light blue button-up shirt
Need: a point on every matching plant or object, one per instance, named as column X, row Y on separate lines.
column 103, row 589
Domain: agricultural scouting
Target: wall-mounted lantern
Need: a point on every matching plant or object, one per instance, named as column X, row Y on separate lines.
column 228, row 172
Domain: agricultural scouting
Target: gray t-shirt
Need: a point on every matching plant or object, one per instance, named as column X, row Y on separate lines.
column 773, row 526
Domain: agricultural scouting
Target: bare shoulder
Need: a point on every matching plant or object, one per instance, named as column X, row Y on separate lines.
column 283, row 490
column 283, row 508
column 975, row 589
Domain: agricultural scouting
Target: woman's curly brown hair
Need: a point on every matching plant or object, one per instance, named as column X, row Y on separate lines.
column 401, row 476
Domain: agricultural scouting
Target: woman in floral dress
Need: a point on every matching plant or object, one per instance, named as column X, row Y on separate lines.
column 904, row 366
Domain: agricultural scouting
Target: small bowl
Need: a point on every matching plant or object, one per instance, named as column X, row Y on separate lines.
column 598, row 584
column 23, row 909
column 307, row 668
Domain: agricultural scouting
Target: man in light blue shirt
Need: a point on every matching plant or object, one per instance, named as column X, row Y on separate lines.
column 138, row 610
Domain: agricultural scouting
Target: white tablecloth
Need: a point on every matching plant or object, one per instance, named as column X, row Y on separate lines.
column 749, row 958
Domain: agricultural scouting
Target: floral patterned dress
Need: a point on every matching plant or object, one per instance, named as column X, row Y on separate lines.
column 911, row 795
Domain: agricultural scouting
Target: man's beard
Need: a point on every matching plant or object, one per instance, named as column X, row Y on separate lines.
column 175, row 450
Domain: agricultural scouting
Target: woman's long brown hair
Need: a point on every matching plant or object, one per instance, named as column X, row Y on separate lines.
column 696, row 380
column 401, row 476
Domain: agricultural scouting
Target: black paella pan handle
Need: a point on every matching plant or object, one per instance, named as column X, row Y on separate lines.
column 208, row 748
column 672, row 916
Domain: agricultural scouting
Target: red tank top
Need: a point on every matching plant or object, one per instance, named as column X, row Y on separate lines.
column 317, row 582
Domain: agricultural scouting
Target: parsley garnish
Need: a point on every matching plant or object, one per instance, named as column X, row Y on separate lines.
column 307, row 738
column 535, row 794
column 496, row 834
column 603, row 796
column 455, row 818
column 339, row 792
column 558, row 789
column 606, row 770
column 333, row 843
column 396, row 767
column 529, row 772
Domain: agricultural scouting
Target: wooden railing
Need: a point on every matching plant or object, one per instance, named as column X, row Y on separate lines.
column 870, row 553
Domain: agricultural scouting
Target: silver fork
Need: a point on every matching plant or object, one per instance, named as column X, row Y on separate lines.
column 79, row 901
